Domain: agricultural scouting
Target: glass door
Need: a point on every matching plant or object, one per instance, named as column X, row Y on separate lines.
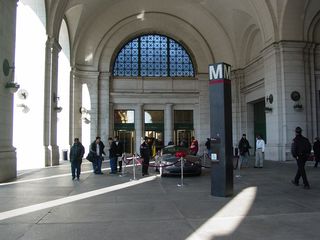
column 127, row 138
column 183, row 137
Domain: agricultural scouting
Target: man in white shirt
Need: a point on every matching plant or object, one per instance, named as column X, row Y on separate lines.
column 260, row 145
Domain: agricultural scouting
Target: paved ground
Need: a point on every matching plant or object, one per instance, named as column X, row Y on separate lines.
column 265, row 205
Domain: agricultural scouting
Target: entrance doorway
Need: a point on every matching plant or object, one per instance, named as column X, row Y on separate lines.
column 183, row 136
column 127, row 138
column 260, row 119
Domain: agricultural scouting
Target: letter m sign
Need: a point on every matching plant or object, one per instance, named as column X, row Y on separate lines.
column 219, row 71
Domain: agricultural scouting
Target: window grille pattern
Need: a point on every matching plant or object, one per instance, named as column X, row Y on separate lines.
column 153, row 56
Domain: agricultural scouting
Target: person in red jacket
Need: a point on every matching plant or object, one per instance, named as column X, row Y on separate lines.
column 194, row 147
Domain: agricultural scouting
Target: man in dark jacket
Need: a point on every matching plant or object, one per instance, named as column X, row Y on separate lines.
column 112, row 155
column 76, row 155
column 120, row 151
column 145, row 153
column 300, row 150
column 316, row 151
column 244, row 147
column 97, row 147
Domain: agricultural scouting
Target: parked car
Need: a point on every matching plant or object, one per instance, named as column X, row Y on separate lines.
column 172, row 164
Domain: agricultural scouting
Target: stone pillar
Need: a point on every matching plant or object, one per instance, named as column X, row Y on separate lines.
column 311, row 93
column 104, row 111
column 237, row 119
column 8, row 163
column 92, row 79
column 168, row 123
column 111, row 119
column 284, row 70
column 51, row 150
column 138, row 123
column 203, row 110
column 75, row 105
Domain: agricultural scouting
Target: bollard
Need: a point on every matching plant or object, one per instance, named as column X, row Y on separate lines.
column 160, row 165
column 239, row 166
column 181, row 164
column 124, row 164
column 134, row 167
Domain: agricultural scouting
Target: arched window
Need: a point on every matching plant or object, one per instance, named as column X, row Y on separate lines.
column 153, row 56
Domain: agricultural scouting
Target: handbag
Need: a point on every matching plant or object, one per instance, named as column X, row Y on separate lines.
column 90, row 156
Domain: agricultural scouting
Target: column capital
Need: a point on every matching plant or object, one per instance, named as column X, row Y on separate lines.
column 53, row 43
column 104, row 75
column 85, row 74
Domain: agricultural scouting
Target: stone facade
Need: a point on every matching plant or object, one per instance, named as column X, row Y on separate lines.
column 268, row 56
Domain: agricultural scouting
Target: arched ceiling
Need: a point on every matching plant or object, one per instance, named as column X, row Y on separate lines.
column 213, row 30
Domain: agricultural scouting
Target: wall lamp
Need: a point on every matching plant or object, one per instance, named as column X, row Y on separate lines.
column 85, row 115
column 11, row 85
column 55, row 100
column 295, row 96
column 269, row 99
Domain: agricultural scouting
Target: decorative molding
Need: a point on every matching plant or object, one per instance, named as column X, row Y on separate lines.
column 252, row 87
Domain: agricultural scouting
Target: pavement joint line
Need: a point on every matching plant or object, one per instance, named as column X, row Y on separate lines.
column 52, row 177
column 73, row 198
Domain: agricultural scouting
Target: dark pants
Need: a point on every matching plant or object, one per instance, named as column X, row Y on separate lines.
column 301, row 172
column 120, row 164
column 317, row 159
column 113, row 164
column 75, row 165
column 145, row 166
column 96, row 165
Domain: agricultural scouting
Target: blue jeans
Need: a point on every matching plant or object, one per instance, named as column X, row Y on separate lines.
column 96, row 165
column 113, row 164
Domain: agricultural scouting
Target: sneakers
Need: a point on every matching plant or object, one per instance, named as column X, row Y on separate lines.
column 306, row 187
column 294, row 183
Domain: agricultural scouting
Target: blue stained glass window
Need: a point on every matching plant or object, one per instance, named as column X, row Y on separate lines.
column 153, row 56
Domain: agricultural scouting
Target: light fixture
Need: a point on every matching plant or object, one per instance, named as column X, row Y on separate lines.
column 11, row 85
column 295, row 96
column 269, row 100
column 85, row 115
column 25, row 108
column 58, row 109
column 55, row 99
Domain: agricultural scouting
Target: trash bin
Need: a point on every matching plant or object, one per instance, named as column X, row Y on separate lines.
column 65, row 154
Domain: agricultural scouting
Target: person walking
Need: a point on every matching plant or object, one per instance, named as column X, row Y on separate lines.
column 194, row 147
column 208, row 146
column 260, row 145
column 145, row 153
column 316, row 151
column 119, row 151
column 97, row 147
column 76, row 155
column 300, row 150
column 244, row 147
column 112, row 156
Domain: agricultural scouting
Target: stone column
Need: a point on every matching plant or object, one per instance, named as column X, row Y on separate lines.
column 104, row 108
column 138, row 123
column 51, row 150
column 91, row 79
column 8, row 163
column 311, row 93
column 284, row 67
column 203, row 124
column 75, row 105
column 237, row 120
column 168, row 123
